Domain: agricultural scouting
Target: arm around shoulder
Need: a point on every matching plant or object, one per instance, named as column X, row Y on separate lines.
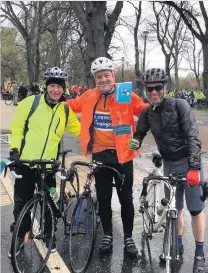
column 73, row 124
column 75, row 104
column 138, row 105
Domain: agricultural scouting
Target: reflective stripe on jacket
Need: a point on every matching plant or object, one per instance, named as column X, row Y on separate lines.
column 45, row 129
column 121, row 114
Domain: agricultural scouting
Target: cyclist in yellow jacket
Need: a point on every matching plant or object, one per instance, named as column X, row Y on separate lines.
column 41, row 138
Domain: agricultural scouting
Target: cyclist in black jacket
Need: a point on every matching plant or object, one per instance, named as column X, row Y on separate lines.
column 176, row 134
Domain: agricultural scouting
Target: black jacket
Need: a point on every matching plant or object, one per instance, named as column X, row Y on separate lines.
column 175, row 131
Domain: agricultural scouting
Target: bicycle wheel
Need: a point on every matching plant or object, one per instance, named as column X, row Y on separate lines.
column 171, row 245
column 82, row 234
column 34, row 256
column 8, row 99
column 150, row 207
column 174, row 244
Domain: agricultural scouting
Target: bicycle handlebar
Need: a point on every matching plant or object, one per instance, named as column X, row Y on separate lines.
column 95, row 165
column 172, row 178
column 55, row 163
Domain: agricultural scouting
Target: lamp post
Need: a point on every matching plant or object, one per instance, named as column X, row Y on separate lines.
column 122, row 69
column 145, row 33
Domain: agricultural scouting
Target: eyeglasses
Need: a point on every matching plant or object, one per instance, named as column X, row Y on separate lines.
column 156, row 88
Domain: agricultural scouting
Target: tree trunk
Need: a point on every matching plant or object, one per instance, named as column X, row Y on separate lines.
column 198, row 82
column 205, row 72
column 167, row 69
column 30, row 67
column 97, row 31
column 176, row 72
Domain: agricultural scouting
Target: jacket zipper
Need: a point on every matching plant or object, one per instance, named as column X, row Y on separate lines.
column 90, row 128
column 105, row 98
column 57, row 125
column 48, row 132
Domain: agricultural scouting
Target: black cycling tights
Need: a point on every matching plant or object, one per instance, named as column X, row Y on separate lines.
column 104, row 178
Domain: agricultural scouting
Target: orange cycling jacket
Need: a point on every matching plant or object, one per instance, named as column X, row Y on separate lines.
column 122, row 121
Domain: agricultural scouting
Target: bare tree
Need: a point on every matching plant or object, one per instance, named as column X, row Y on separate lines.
column 167, row 27
column 138, row 12
column 28, row 21
column 193, row 57
column 98, row 29
column 189, row 15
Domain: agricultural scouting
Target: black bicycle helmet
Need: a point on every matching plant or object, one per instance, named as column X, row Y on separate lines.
column 55, row 73
column 154, row 75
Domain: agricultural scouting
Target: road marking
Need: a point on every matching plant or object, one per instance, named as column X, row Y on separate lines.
column 55, row 263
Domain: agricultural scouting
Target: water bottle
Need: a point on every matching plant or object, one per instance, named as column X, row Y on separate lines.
column 54, row 195
column 162, row 206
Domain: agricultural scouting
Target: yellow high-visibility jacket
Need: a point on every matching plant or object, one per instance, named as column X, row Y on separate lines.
column 46, row 127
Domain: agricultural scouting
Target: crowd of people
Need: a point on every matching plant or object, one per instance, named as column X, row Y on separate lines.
column 193, row 97
column 22, row 90
column 107, row 132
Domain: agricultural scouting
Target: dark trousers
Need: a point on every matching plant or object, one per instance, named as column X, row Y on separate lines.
column 103, row 182
column 23, row 192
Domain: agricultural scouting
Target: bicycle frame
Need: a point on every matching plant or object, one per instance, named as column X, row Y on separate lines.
column 170, row 206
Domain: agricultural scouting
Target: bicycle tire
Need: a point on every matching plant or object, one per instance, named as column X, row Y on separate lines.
column 150, row 209
column 32, row 207
column 7, row 100
column 173, row 244
column 168, row 245
column 83, row 212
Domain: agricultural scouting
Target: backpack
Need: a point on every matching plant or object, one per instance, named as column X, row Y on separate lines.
column 32, row 110
column 35, row 105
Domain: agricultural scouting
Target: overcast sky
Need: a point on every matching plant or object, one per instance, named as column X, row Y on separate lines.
column 154, row 56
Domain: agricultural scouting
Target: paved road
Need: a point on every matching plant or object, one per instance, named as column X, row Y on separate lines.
column 115, row 262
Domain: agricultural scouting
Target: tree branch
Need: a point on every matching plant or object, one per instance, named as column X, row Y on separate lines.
column 112, row 19
column 182, row 12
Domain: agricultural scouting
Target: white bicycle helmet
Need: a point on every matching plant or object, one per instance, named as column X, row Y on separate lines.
column 55, row 73
column 102, row 63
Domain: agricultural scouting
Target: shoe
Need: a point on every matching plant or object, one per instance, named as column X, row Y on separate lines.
column 181, row 250
column 199, row 264
column 19, row 245
column 130, row 248
column 106, row 244
column 53, row 248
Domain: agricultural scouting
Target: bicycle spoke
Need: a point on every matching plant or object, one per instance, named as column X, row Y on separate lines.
column 82, row 234
column 34, row 253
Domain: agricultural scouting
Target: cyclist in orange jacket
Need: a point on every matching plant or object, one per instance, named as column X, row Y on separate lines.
column 106, row 128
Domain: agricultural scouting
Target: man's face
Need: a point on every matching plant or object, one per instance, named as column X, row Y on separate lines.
column 55, row 91
column 155, row 91
column 105, row 80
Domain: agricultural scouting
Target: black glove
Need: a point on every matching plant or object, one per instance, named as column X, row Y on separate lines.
column 14, row 155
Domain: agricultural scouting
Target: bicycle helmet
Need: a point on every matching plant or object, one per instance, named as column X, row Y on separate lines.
column 55, row 73
column 102, row 63
column 154, row 75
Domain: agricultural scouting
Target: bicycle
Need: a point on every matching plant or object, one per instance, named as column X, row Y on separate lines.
column 8, row 98
column 154, row 216
column 84, row 220
column 43, row 213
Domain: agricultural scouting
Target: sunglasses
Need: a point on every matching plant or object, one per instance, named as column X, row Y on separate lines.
column 156, row 88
